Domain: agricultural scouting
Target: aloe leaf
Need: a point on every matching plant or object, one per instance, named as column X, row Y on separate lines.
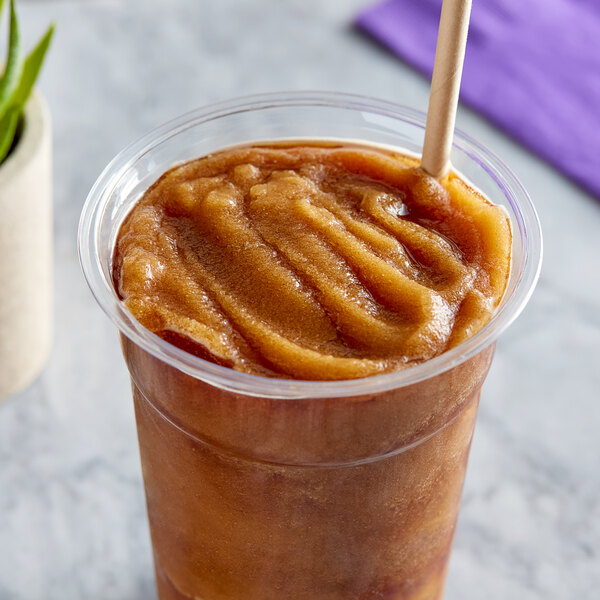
column 14, row 62
column 31, row 68
column 8, row 127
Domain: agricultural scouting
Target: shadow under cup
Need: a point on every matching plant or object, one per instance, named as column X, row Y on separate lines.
column 268, row 489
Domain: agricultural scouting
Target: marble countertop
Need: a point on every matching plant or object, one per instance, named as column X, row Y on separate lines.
column 72, row 514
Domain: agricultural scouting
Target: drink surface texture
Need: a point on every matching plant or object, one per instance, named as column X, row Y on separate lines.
column 314, row 261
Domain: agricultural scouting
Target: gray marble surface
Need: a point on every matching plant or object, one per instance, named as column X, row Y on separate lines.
column 72, row 520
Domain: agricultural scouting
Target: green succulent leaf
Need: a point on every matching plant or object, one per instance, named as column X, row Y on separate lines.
column 14, row 62
column 8, row 127
column 31, row 69
column 18, row 79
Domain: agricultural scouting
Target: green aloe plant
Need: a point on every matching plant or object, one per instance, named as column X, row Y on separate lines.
column 18, row 79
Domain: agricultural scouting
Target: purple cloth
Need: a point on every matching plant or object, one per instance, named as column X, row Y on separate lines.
column 532, row 67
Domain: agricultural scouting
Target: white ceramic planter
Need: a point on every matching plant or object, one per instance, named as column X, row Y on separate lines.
column 26, row 252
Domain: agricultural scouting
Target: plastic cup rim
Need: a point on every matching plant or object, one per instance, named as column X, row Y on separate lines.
column 254, row 385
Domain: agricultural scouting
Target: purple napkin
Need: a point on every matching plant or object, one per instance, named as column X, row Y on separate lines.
column 532, row 67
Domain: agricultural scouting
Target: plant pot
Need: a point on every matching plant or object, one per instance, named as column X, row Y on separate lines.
column 26, row 251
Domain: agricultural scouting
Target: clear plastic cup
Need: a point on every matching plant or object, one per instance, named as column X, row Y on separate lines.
column 265, row 489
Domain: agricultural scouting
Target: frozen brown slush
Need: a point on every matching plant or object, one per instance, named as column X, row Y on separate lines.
column 307, row 323
column 307, row 261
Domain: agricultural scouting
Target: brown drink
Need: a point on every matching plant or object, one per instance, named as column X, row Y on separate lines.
column 259, row 499
column 282, row 265
column 308, row 262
